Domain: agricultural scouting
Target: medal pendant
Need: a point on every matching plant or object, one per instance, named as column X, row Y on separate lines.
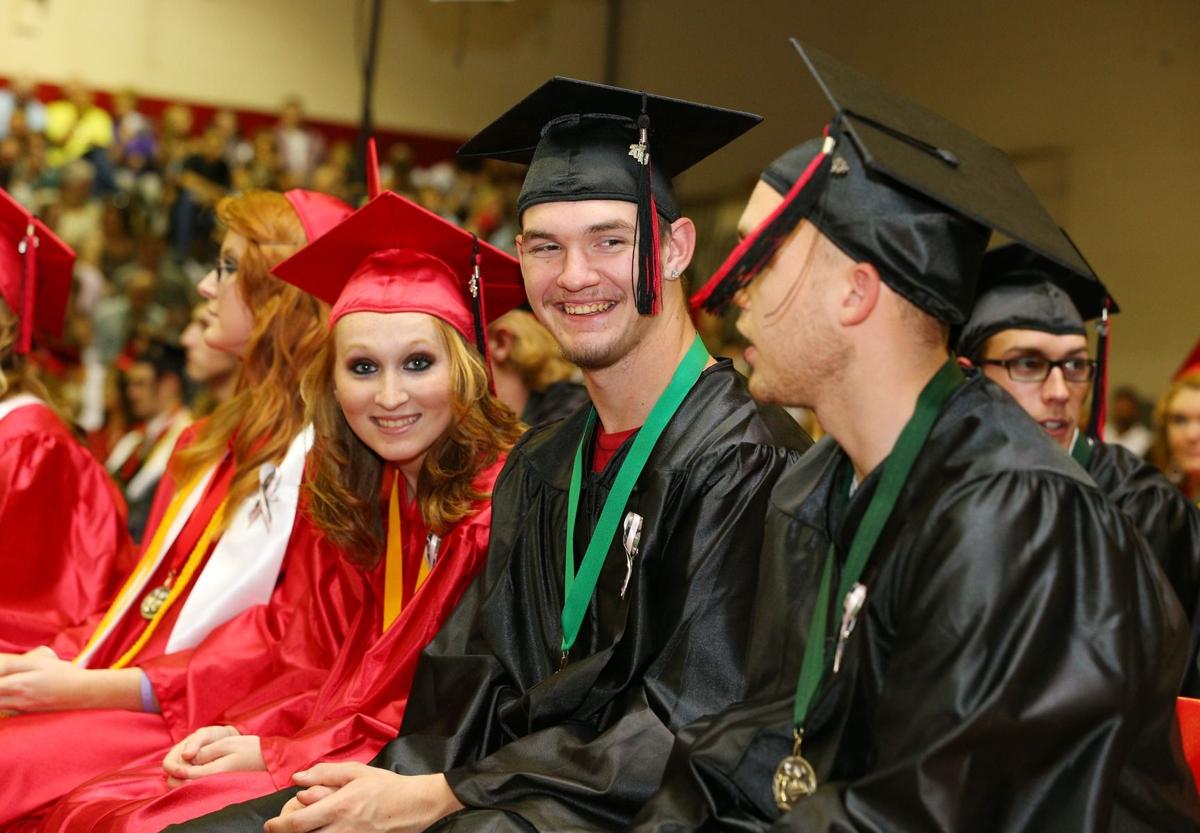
column 794, row 778
column 153, row 601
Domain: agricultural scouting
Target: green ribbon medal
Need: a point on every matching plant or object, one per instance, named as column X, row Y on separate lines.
column 795, row 777
column 578, row 588
column 1081, row 449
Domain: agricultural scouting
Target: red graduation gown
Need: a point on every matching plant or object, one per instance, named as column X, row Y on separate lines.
column 44, row 755
column 65, row 547
column 349, row 717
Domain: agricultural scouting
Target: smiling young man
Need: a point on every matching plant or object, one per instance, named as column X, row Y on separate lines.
column 616, row 600
column 970, row 636
column 1027, row 334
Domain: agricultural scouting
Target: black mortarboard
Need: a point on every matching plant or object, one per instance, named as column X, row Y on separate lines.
column 585, row 141
column 897, row 185
column 1020, row 289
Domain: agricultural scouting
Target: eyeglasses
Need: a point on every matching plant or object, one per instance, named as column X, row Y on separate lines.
column 1037, row 368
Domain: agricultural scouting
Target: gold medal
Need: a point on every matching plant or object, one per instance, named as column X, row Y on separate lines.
column 153, row 601
column 794, row 779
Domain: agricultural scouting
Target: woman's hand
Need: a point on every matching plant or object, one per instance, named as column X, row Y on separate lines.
column 210, row 750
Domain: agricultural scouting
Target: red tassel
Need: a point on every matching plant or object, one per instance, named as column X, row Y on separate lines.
column 757, row 248
column 656, row 276
column 374, row 189
column 28, row 249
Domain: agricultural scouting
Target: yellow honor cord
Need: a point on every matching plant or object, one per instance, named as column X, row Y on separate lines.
column 145, row 565
column 185, row 577
column 393, row 576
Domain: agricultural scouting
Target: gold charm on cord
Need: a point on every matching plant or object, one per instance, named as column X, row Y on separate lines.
column 794, row 779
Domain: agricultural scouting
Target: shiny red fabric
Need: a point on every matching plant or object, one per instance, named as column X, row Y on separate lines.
column 43, row 756
column 60, row 750
column 349, row 717
column 1188, row 711
column 65, row 546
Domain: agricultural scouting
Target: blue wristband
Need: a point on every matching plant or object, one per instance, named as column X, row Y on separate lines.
column 149, row 701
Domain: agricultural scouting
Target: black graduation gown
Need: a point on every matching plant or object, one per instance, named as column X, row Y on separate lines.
column 1017, row 658
column 583, row 748
column 558, row 401
column 1168, row 521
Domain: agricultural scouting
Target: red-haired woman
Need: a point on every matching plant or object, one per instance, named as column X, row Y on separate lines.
column 223, row 520
column 408, row 444
column 64, row 547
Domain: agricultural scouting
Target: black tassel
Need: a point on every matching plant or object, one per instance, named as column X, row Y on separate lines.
column 648, row 289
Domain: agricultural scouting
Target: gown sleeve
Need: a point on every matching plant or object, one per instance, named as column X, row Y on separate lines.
column 65, row 546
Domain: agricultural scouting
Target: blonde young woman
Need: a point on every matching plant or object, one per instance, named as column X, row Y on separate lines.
column 218, row 535
column 409, row 442
column 1176, row 447
column 65, row 550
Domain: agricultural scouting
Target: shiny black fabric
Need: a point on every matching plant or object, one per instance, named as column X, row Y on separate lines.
column 925, row 251
column 530, row 747
column 1017, row 658
column 557, row 401
column 1168, row 521
column 1018, row 305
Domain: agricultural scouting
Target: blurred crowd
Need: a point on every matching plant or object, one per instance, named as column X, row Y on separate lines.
column 133, row 194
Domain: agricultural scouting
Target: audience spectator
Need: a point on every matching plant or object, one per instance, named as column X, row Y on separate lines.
column 20, row 102
column 1126, row 425
column 204, row 180
column 299, row 149
column 78, row 129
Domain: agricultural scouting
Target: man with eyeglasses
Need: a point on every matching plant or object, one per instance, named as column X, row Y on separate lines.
column 1026, row 333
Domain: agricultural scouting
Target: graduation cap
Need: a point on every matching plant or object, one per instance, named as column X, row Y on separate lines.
column 586, row 141
column 1020, row 289
column 392, row 255
column 318, row 212
column 901, row 187
column 1190, row 365
column 35, row 272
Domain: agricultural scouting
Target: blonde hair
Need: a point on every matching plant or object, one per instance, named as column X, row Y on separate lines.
column 535, row 355
column 1160, row 451
column 17, row 373
column 346, row 477
column 266, row 410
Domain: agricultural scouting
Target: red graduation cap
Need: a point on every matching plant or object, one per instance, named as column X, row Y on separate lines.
column 318, row 212
column 35, row 272
column 1190, row 365
column 392, row 255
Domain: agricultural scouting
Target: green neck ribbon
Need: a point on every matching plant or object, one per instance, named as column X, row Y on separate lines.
column 578, row 588
column 815, row 665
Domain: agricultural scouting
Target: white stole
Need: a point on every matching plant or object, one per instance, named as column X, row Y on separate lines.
column 18, row 401
column 244, row 566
